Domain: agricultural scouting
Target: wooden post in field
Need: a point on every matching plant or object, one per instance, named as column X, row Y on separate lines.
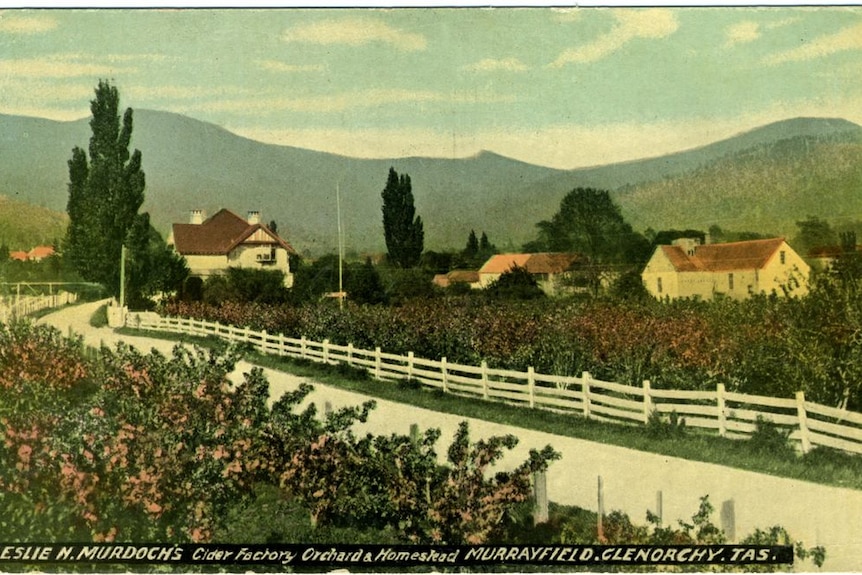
column 444, row 375
column 378, row 363
column 264, row 343
column 327, row 407
column 281, row 350
column 485, row 393
column 802, row 415
column 600, row 527
column 659, row 506
column 647, row 401
column 728, row 519
column 531, row 386
column 585, row 386
column 540, row 498
column 722, row 417
column 410, row 359
column 325, row 351
column 350, row 354
column 414, row 433
column 303, row 347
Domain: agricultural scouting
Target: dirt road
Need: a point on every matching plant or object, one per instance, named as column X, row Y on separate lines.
column 815, row 514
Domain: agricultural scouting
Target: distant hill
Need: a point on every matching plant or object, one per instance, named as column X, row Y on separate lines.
column 23, row 226
column 195, row 165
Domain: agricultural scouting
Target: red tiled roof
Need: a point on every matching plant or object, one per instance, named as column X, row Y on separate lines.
column 542, row 263
column 40, row 252
column 218, row 235
column 463, row 276
column 746, row 255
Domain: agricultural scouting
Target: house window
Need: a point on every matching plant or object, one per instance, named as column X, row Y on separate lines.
column 783, row 256
column 730, row 281
column 659, row 285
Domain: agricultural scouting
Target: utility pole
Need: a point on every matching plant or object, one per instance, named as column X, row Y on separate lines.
column 340, row 248
column 122, row 282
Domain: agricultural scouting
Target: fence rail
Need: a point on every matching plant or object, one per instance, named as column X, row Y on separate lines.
column 18, row 306
column 729, row 414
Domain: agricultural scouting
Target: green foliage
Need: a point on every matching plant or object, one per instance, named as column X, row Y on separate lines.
column 814, row 233
column 365, row 285
column 402, row 228
column 245, row 285
column 770, row 438
column 105, row 192
column 125, row 446
column 516, row 283
column 664, row 427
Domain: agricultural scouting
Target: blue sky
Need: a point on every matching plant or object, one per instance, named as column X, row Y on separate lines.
column 557, row 87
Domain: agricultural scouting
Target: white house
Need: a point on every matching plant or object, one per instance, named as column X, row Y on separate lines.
column 227, row 240
column 736, row 270
column 547, row 268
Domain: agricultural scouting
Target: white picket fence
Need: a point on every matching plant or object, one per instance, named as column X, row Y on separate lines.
column 728, row 414
column 13, row 307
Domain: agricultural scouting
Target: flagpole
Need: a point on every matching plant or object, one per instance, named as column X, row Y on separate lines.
column 340, row 249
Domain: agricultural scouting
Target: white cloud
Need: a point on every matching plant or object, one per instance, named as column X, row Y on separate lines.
column 345, row 101
column 354, row 32
column 631, row 24
column 492, row 65
column 742, row 33
column 848, row 39
column 284, row 67
column 11, row 23
column 56, row 67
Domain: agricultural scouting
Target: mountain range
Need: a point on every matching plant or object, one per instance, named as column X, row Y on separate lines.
column 763, row 180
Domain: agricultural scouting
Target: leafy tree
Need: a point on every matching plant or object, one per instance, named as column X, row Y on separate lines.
column 106, row 190
column 153, row 267
column 365, row 285
column 402, row 228
column 246, row 285
column 273, row 226
column 591, row 224
column 515, row 283
column 814, row 233
column 472, row 247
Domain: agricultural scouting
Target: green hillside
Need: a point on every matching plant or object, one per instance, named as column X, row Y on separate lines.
column 24, row 226
column 765, row 189
column 764, row 179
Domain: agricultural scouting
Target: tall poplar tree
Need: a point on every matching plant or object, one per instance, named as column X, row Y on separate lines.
column 106, row 190
column 402, row 228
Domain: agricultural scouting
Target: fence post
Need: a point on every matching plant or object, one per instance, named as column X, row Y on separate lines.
column 728, row 519
column 325, row 351
column 722, row 416
column 264, row 344
column 531, row 385
column 802, row 415
column 600, row 527
column 585, row 386
column 659, row 506
column 647, row 401
column 540, row 497
column 444, row 375
column 281, row 350
column 410, row 358
column 350, row 354
column 303, row 350
column 378, row 363
column 485, row 394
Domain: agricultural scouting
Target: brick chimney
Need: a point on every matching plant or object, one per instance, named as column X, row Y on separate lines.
column 196, row 217
column 253, row 217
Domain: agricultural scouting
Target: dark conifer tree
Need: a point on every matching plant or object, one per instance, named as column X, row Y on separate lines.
column 402, row 228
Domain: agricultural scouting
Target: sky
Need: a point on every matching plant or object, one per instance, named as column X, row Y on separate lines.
column 558, row 87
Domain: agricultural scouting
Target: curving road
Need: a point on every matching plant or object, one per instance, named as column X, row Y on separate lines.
column 815, row 514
